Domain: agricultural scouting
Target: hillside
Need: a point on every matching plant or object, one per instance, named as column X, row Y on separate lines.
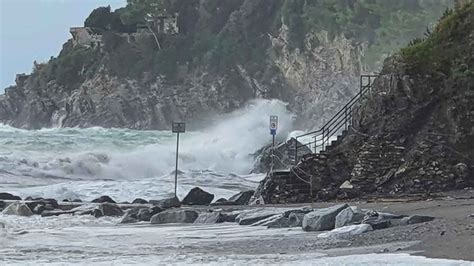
column 153, row 62
column 414, row 134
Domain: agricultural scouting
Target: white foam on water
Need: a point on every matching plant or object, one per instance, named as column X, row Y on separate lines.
column 73, row 162
column 85, row 240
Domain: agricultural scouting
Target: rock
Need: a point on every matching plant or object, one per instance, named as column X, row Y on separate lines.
column 103, row 199
column 130, row 216
column 8, row 196
column 346, row 185
column 197, row 196
column 139, row 201
column 281, row 222
column 268, row 220
column 462, row 170
column 242, row 198
column 378, row 222
column 144, row 215
column 2, row 205
column 345, row 231
column 110, row 209
column 48, row 204
column 77, row 200
column 167, row 203
column 39, row 209
column 17, row 208
column 296, row 219
column 155, row 209
column 127, row 219
column 415, row 219
column 210, row 218
column 349, row 216
column 322, row 219
column 253, row 216
column 174, row 216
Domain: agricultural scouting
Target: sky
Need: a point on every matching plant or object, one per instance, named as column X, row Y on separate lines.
column 36, row 30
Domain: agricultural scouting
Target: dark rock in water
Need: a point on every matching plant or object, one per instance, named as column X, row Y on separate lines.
column 128, row 220
column 139, row 201
column 65, row 200
column 77, row 200
column 97, row 213
column 415, row 219
column 197, row 196
column 8, row 196
column 144, row 215
column 220, row 200
column 110, row 209
column 30, row 198
column 2, row 205
column 103, row 199
column 17, row 208
column 322, row 219
column 242, row 198
column 174, row 216
column 130, row 216
column 48, row 204
column 210, row 218
column 39, row 209
column 230, row 217
column 167, row 203
column 155, row 209
column 124, row 202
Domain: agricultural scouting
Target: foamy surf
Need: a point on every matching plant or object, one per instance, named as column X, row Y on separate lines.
column 83, row 163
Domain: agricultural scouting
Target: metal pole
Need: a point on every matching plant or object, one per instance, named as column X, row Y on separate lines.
column 176, row 170
column 273, row 152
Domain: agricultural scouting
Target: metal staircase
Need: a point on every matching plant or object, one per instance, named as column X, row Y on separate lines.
column 337, row 127
column 294, row 184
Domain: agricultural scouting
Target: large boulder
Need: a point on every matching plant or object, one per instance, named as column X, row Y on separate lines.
column 40, row 205
column 242, row 198
column 17, row 208
column 103, row 199
column 130, row 216
column 322, row 219
column 174, row 216
column 8, row 196
column 346, row 231
column 197, row 196
column 210, row 218
column 110, row 209
column 139, row 201
column 167, row 203
column 349, row 215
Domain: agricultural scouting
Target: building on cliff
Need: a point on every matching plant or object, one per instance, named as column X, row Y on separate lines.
column 85, row 36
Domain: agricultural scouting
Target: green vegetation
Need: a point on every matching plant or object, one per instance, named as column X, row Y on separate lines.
column 446, row 50
column 209, row 37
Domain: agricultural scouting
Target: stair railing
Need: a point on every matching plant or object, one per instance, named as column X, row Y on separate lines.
column 341, row 120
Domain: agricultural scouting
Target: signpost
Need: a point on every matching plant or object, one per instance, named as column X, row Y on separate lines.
column 273, row 130
column 177, row 127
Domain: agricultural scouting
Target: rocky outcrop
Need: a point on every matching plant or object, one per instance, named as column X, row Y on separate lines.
column 413, row 132
column 174, row 216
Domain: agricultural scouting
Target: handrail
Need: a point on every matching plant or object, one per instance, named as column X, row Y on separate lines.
column 342, row 118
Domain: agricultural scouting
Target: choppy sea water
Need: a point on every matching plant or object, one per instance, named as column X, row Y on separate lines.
column 69, row 163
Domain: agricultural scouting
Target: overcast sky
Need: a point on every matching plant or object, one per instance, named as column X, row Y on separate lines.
column 36, row 30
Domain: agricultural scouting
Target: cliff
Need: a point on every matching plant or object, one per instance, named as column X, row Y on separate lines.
column 414, row 134
column 153, row 62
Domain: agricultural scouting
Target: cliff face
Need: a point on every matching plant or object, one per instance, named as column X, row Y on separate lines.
column 414, row 134
column 226, row 52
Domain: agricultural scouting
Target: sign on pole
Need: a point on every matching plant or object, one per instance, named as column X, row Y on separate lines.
column 177, row 127
column 273, row 124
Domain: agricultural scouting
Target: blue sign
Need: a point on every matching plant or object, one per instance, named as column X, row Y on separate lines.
column 273, row 131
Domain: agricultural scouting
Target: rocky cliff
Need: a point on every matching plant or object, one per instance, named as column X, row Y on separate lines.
column 309, row 54
column 414, row 134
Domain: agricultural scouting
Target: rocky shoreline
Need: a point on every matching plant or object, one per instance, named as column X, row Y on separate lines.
column 394, row 226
